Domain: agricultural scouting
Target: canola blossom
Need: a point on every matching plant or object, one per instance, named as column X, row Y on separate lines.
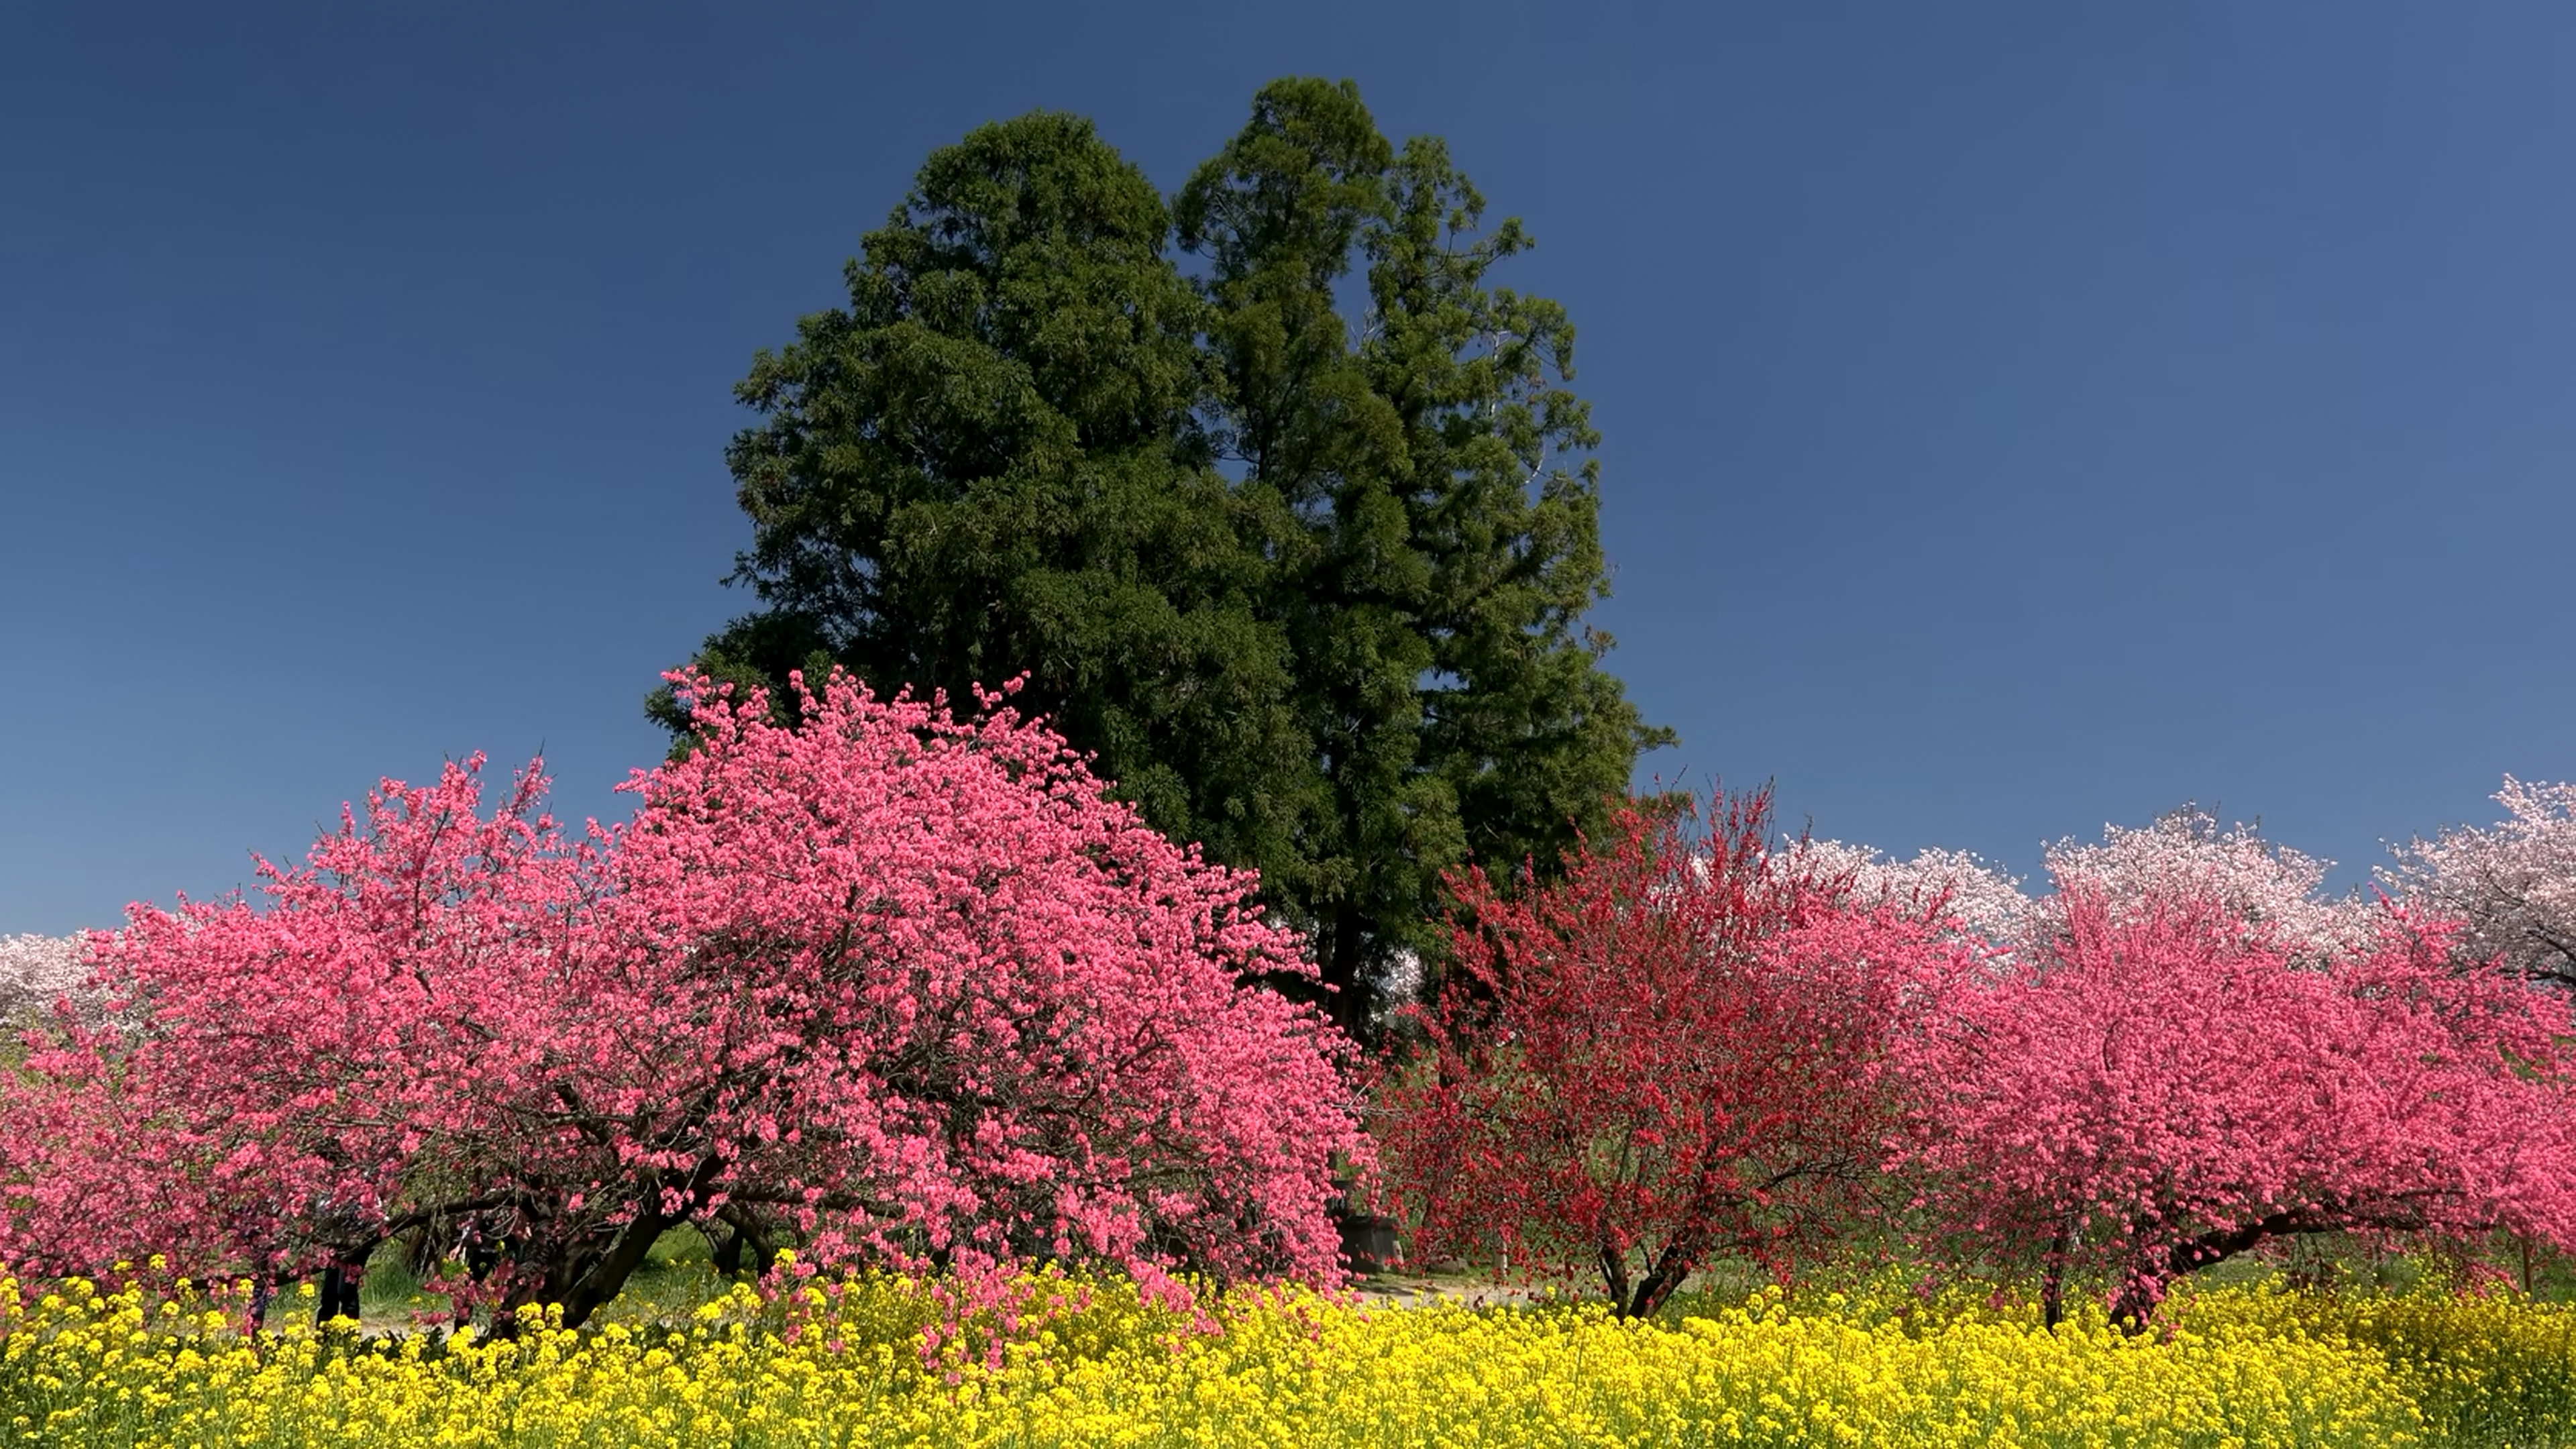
column 1096, row 1364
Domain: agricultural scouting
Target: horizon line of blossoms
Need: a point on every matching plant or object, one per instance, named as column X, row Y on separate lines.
column 1746, row 1051
column 2263, row 884
column 753, row 821
column 2511, row 884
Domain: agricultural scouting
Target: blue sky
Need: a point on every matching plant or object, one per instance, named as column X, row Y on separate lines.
column 2018, row 416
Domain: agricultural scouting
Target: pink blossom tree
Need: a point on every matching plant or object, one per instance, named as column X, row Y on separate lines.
column 899, row 986
column 2154, row 1088
column 2514, row 883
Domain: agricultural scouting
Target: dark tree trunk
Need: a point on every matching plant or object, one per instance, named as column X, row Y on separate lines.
column 340, row 1280
column 1348, row 1002
column 580, row 1277
column 1658, row 1286
column 759, row 1252
column 1614, row 1274
column 1671, row 1267
column 339, row 1296
column 2052, row 1279
column 2142, row 1288
column 610, row 1270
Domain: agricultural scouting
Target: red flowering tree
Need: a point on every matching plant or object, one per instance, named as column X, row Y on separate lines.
column 2157, row 1087
column 892, row 985
column 1671, row 1055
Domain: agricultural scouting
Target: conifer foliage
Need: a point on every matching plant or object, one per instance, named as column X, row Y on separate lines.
column 1297, row 541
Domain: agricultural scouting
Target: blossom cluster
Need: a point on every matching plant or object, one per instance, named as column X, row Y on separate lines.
column 37, row 973
column 2514, row 883
column 1699, row 1044
column 2262, row 884
column 893, row 984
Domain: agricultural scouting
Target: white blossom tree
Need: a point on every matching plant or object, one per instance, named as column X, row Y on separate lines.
column 2514, row 882
column 2185, row 853
column 2269, row 887
column 1983, row 901
column 36, row 972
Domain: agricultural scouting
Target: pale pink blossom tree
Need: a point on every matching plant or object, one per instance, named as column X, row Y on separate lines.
column 903, row 987
column 1964, row 890
column 38, row 973
column 2186, row 853
column 2514, row 882
column 2152, row 1088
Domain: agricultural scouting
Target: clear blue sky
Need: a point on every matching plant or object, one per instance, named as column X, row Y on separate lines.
column 2019, row 416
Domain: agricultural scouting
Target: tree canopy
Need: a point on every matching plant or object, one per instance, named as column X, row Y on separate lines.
column 894, row 986
column 2513, row 883
column 1309, row 585
column 1665, row 1058
column 2163, row 1082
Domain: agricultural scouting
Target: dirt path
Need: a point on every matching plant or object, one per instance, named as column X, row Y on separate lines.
column 1407, row 1290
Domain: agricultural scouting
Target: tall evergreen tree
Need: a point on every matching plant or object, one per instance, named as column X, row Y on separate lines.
column 1313, row 595
column 1447, row 544
column 990, row 465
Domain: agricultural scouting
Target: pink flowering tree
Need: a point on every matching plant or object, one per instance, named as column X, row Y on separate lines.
column 2514, row 883
column 894, row 986
column 2156, row 1088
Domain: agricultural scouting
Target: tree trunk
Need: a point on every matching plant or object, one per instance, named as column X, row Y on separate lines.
column 2052, row 1279
column 609, row 1272
column 2143, row 1286
column 1348, row 1002
column 1671, row 1268
column 1658, row 1286
column 1614, row 1275
column 340, row 1280
column 746, row 1246
column 339, row 1295
column 580, row 1278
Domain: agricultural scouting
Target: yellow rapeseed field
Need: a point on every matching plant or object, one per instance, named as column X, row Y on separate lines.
column 844, row 1364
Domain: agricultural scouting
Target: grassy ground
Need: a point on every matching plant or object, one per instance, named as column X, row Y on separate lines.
column 679, row 1276
column 676, row 1278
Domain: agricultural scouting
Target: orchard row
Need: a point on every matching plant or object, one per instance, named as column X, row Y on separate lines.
column 903, row 988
